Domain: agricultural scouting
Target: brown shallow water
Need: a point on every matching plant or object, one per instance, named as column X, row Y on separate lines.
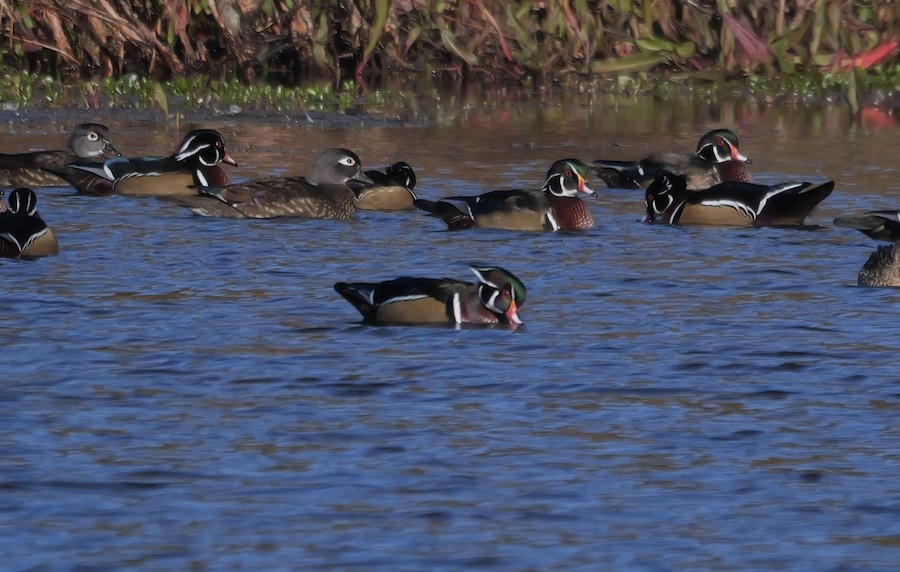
column 183, row 393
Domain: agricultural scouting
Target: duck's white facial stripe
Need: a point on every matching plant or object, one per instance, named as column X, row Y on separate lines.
column 481, row 278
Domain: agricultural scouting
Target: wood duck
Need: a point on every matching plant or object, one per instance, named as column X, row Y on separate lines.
column 716, row 160
column 88, row 142
column 556, row 206
column 877, row 225
column 23, row 234
column 322, row 194
column 734, row 204
column 196, row 158
column 882, row 268
column 495, row 299
column 391, row 190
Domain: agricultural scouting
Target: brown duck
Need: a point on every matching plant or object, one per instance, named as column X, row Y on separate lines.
column 88, row 142
column 322, row 194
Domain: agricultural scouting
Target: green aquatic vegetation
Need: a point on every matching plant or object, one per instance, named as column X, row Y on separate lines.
column 24, row 90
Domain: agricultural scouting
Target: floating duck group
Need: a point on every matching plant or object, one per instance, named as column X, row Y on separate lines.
column 709, row 186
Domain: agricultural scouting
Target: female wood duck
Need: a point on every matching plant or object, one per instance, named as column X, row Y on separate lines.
column 495, row 299
column 734, row 204
column 88, row 142
column 556, row 206
column 322, row 194
column 23, row 234
column 877, row 225
column 196, row 158
column 882, row 268
column 391, row 190
column 717, row 159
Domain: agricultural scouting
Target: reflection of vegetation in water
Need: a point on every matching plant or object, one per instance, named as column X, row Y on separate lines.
column 608, row 44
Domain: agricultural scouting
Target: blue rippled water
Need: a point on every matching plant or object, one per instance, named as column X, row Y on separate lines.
column 182, row 393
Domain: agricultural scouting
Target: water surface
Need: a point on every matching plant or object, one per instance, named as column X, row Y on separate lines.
column 185, row 393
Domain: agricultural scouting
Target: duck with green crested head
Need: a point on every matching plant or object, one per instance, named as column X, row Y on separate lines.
column 23, row 233
column 717, row 159
column 556, row 206
column 668, row 201
column 494, row 299
column 390, row 190
column 196, row 158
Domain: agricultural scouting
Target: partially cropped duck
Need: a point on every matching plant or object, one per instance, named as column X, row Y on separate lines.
column 717, row 159
column 23, row 234
column 668, row 201
column 877, row 225
column 883, row 266
column 196, row 158
column 391, row 190
column 88, row 142
column 494, row 299
column 322, row 194
column 556, row 206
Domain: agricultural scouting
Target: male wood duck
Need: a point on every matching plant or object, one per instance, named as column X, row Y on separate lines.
column 556, row 206
column 882, row 268
column 717, row 159
column 196, row 158
column 733, row 204
column 88, row 142
column 322, row 194
column 495, row 299
column 391, row 190
column 877, row 225
column 23, row 234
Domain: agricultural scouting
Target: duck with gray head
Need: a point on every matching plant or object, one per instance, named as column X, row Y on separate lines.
column 89, row 142
column 322, row 194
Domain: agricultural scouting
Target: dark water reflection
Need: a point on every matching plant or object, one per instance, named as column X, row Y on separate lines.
column 183, row 393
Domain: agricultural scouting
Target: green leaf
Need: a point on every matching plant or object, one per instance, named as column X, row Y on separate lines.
column 685, row 50
column 853, row 92
column 632, row 63
column 654, row 45
column 377, row 27
column 450, row 42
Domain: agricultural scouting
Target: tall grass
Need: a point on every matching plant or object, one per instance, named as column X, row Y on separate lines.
column 524, row 41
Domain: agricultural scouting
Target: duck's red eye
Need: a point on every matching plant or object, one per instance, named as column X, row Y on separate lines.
column 720, row 142
column 507, row 293
column 569, row 173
